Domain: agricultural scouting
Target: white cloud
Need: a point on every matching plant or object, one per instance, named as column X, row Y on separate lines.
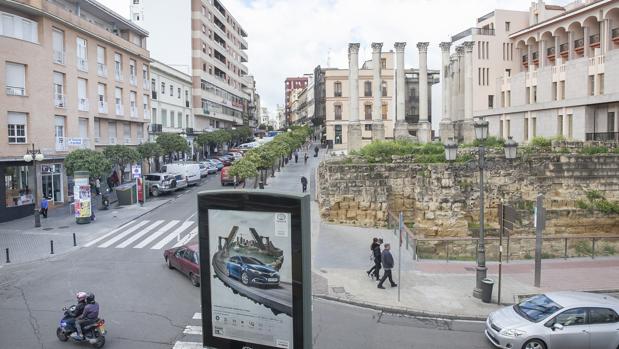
column 291, row 37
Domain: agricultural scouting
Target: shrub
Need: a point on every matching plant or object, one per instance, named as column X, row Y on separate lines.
column 490, row 142
column 609, row 250
column 606, row 206
column 541, row 142
column 383, row 151
column 592, row 150
column 583, row 205
column 594, row 195
column 583, row 248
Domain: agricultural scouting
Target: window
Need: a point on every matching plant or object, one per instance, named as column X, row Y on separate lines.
column 507, row 25
column 18, row 27
column 82, row 94
column 133, row 103
column 59, row 97
column 602, row 316
column 367, row 89
column 97, row 127
column 572, row 317
column 561, row 90
column 528, row 95
column 133, row 73
column 118, row 100
column 82, row 54
column 501, row 125
column 337, row 89
column 534, row 126
column 535, row 18
column 508, row 99
column 100, row 55
column 384, row 88
column 560, row 125
column 164, row 118
column 58, row 45
column 15, row 74
column 337, row 108
column 145, row 76
column 127, row 131
column 17, row 127
column 554, row 91
column 526, row 129
column 610, row 121
column 179, row 120
column 490, row 101
column 111, row 130
column 118, row 66
column 534, row 94
column 171, row 90
column 179, row 92
column 383, row 63
column 509, row 128
column 83, row 125
column 368, row 112
column 384, row 111
column 162, row 88
column 601, row 83
column 59, row 131
column 338, row 134
column 18, row 183
column 591, row 85
column 145, row 104
column 367, row 127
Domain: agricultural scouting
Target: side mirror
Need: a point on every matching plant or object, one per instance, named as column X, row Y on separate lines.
column 557, row 327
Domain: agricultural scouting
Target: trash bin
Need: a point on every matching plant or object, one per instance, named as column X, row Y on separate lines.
column 126, row 194
column 486, row 290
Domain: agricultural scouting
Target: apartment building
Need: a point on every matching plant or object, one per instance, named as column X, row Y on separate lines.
column 290, row 84
column 76, row 75
column 264, row 116
column 171, row 101
column 205, row 41
column 361, row 104
column 302, row 104
column 549, row 71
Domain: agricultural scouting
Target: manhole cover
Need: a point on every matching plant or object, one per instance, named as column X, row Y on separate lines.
column 47, row 229
column 469, row 268
column 64, row 227
column 338, row 289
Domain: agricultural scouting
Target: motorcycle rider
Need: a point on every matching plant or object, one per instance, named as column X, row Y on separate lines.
column 88, row 317
column 79, row 308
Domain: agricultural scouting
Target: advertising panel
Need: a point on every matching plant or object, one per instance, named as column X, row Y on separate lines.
column 81, row 192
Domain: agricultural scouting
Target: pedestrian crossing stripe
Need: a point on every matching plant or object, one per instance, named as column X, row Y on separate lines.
column 106, row 235
column 140, row 234
column 189, row 329
column 197, row 316
column 187, row 237
column 175, row 234
column 187, row 345
column 123, row 234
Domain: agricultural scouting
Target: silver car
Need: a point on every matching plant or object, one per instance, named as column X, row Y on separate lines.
column 557, row 320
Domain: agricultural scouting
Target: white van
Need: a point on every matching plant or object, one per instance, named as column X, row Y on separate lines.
column 191, row 170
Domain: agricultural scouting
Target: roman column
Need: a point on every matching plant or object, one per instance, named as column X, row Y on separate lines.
column 401, row 127
column 460, row 96
column 378, row 127
column 354, row 127
column 469, row 132
column 424, row 133
column 446, row 128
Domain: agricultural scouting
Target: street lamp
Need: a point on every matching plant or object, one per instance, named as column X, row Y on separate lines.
column 35, row 155
column 451, row 150
column 510, row 149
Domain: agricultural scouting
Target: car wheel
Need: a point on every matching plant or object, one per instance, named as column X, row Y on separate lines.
column 155, row 191
column 534, row 344
column 194, row 279
column 167, row 261
column 245, row 279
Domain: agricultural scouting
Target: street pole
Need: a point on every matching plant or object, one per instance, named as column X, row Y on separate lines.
column 539, row 222
column 481, row 248
column 502, row 231
column 400, row 225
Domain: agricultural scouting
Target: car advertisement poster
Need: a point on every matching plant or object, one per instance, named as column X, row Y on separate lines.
column 81, row 192
column 251, row 288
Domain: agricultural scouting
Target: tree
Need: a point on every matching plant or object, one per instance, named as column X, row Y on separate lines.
column 243, row 169
column 87, row 160
column 121, row 155
column 262, row 127
column 148, row 151
column 172, row 143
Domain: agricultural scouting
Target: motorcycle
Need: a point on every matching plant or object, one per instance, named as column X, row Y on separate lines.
column 93, row 334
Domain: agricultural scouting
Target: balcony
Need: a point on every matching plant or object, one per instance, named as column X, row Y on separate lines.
column 102, row 107
column 102, row 70
column 602, row 136
column 111, row 140
column 61, row 145
column 594, row 40
column 472, row 31
column 119, row 110
column 134, row 111
column 535, row 57
column 155, row 128
column 59, row 100
column 579, row 45
column 118, row 75
column 15, row 91
column 615, row 35
column 133, row 80
column 83, row 105
column 82, row 64
column 59, row 57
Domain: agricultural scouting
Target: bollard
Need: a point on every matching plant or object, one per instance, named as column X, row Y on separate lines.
column 8, row 260
column 51, row 246
column 74, row 240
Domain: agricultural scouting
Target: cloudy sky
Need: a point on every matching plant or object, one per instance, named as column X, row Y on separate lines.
column 291, row 37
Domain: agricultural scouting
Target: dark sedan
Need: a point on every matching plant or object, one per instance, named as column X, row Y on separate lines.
column 251, row 271
column 185, row 259
column 226, row 160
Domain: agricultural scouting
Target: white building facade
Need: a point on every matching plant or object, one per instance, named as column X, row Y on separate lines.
column 171, row 100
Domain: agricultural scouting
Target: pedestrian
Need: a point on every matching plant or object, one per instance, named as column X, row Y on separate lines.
column 304, row 183
column 44, row 206
column 387, row 260
column 296, row 156
column 316, row 149
column 375, row 258
column 98, row 185
column 305, row 157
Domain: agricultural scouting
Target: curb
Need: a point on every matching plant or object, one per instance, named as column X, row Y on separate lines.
column 402, row 310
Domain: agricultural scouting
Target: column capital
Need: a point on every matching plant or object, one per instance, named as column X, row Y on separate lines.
column 468, row 46
column 377, row 47
column 423, row 46
column 353, row 47
column 399, row 46
column 445, row 45
column 459, row 51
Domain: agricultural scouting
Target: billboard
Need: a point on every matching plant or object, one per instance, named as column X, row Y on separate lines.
column 253, row 260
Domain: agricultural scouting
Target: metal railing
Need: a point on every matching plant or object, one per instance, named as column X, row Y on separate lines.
column 82, row 64
column 103, row 107
column 615, row 33
column 118, row 75
column 564, row 48
column 579, row 43
column 83, row 104
column 61, row 145
column 119, row 110
column 594, row 39
column 59, row 100
column 15, row 91
column 101, row 70
column 59, row 57
column 145, row 85
column 550, row 51
column 602, row 136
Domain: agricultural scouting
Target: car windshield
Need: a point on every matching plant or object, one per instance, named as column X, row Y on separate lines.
column 250, row 260
column 536, row 308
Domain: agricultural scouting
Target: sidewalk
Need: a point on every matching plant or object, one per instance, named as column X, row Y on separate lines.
column 27, row 243
column 341, row 256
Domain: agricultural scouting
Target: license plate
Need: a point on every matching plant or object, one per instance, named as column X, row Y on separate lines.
column 272, row 279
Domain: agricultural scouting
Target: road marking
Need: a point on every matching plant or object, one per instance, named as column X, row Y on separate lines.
column 197, row 316
column 187, row 237
column 187, row 345
column 172, row 235
column 106, row 235
column 190, row 217
column 193, row 330
column 140, row 234
column 123, row 234
column 156, row 234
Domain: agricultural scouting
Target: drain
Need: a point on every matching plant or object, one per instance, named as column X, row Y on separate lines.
column 64, row 227
column 48, row 229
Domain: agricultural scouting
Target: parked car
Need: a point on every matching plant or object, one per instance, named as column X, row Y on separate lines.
column 158, row 183
column 226, row 160
column 217, row 163
column 203, row 170
column 557, row 320
column 210, row 167
column 234, row 155
column 181, row 181
column 250, row 271
column 190, row 170
column 226, row 179
column 185, row 259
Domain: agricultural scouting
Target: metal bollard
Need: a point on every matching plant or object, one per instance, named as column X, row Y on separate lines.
column 74, row 240
column 8, row 260
column 51, row 246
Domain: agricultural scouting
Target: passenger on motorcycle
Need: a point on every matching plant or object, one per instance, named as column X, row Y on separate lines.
column 76, row 311
column 89, row 316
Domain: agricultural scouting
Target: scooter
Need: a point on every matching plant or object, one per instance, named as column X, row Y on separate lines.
column 93, row 334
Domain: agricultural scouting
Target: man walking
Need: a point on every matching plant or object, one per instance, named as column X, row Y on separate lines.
column 387, row 260
column 296, row 156
column 304, row 183
column 375, row 248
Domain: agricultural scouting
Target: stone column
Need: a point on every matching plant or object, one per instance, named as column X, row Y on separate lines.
column 354, row 126
column 461, row 78
column 469, row 132
column 401, row 127
column 605, row 35
column 541, row 54
column 446, row 127
column 378, row 127
column 585, row 40
column 570, row 44
column 424, row 132
column 558, row 60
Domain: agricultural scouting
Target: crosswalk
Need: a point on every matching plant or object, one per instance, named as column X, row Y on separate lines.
column 148, row 234
column 192, row 334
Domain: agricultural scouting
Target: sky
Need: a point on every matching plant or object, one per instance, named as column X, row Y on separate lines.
column 291, row 37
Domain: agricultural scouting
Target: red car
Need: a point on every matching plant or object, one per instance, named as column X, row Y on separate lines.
column 186, row 259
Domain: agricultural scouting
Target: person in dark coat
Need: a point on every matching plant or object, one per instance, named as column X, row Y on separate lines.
column 387, row 260
column 304, row 183
column 316, row 149
column 376, row 257
column 296, row 156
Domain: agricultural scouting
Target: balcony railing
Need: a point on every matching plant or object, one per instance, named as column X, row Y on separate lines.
column 61, row 145
column 59, row 100
column 111, row 140
column 59, row 57
column 133, row 80
column 594, row 39
column 145, row 85
column 119, row 110
column 101, row 70
column 82, row 64
column 564, row 48
column 579, row 43
column 83, row 104
column 155, row 128
column 525, row 59
column 103, row 107
column 118, row 75
column 535, row 56
column 471, row 31
column 602, row 136
column 550, row 51
column 134, row 112
column 15, row 91
column 615, row 33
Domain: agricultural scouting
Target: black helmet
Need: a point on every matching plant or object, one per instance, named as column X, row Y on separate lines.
column 90, row 298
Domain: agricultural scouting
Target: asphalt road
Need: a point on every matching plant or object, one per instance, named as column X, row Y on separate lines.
column 147, row 306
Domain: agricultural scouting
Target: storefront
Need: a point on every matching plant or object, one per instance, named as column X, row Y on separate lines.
column 52, row 182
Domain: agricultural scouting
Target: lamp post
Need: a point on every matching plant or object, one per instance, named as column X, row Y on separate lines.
column 451, row 149
column 35, row 155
